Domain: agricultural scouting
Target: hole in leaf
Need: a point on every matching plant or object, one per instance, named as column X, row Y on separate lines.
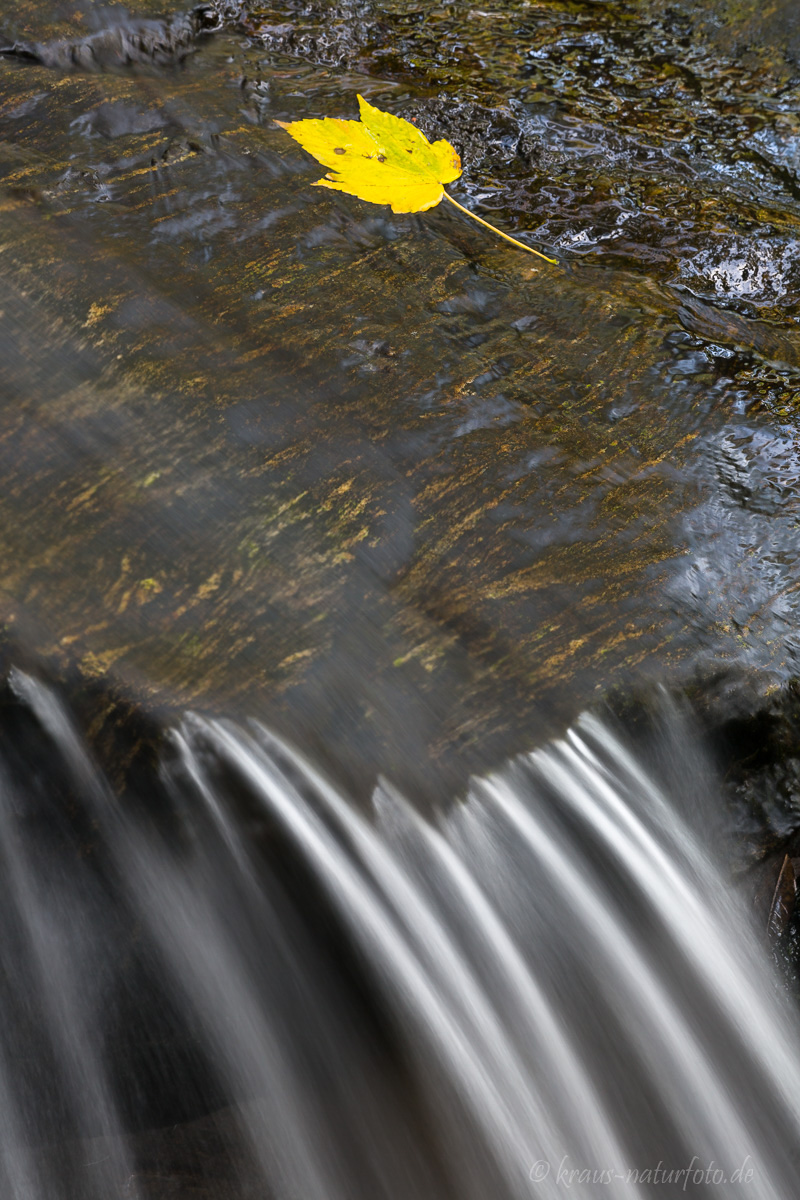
column 339, row 150
column 381, row 158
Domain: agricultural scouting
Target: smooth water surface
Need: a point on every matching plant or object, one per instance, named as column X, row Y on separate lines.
column 265, row 446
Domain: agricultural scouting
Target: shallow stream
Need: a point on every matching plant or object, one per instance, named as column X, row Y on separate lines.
column 408, row 497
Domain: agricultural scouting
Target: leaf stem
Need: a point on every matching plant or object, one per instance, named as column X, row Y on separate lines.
column 499, row 232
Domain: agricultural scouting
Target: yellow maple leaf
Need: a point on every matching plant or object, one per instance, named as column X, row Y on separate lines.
column 385, row 160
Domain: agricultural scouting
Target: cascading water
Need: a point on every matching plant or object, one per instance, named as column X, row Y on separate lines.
column 548, row 990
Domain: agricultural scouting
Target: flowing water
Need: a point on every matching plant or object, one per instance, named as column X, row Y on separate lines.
column 551, row 979
column 385, row 489
column 382, row 479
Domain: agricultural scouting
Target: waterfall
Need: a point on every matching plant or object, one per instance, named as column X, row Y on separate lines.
column 547, row 988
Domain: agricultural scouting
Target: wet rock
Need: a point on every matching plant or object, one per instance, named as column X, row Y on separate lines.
column 128, row 43
column 783, row 900
column 479, row 134
column 746, row 29
column 337, row 34
column 574, row 473
column 753, row 277
column 761, row 753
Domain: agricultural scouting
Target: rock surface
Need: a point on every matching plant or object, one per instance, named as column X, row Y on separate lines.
column 381, row 480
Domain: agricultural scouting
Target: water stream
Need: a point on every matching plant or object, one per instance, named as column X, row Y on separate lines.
column 387, row 505
column 552, row 978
